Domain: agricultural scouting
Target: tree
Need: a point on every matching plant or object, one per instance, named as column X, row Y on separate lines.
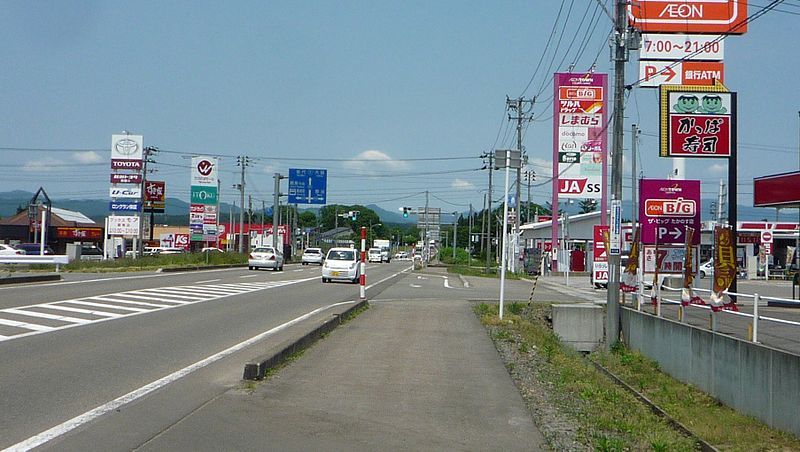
column 588, row 205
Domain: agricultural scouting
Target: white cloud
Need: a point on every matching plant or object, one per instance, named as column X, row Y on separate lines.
column 42, row 165
column 718, row 168
column 87, row 157
column 461, row 184
column 373, row 159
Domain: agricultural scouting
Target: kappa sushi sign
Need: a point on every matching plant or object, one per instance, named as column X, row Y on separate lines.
column 689, row 16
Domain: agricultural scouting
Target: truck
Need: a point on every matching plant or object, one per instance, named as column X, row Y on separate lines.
column 385, row 246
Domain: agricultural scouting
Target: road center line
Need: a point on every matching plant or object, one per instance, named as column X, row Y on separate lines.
column 72, row 424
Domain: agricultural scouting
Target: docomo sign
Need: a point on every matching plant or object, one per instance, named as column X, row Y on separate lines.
column 689, row 16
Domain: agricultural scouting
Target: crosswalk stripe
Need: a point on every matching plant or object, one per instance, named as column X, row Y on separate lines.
column 222, row 292
column 79, row 310
column 103, row 305
column 148, row 297
column 27, row 326
column 42, row 315
column 122, row 300
column 170, row 293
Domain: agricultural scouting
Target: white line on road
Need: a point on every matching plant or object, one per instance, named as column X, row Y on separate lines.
column 247, row 276
column 118, row 278
column 72, row 424
column 207, row 281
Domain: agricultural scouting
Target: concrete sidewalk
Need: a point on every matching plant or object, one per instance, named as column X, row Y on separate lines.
column 417, row 374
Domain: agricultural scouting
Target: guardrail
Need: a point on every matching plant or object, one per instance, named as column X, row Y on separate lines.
column 758, row 300
column 52, row 259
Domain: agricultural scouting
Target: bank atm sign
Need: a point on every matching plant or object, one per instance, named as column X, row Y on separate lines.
column 689, row 16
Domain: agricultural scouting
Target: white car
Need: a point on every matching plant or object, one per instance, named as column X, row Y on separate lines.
column 341, row 264
column 265, row 257
column 312, row 256
column 401, row 256
column 374, row 255
column 8, row 250
column 706, row 269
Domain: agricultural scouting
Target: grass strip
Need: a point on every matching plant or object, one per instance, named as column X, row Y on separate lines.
column 479, row 271
column 719, row 425
column 608, row 417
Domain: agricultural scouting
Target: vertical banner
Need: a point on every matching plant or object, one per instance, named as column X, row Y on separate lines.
column 628, row 282
column 687, row 292
column 724, row 267
column 600, row 255
column 580, row 131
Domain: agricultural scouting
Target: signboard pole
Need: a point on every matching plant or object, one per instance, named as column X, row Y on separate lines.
column 732, row 179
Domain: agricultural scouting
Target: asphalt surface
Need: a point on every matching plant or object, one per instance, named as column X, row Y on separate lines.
column 51, row 377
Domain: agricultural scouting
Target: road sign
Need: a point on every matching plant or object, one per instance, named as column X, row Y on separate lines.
column 307, row 186
column 653, row 74
column 689, row 16
column 615, row 230
column 766, row 236
column 656, row 46
column 667, row 208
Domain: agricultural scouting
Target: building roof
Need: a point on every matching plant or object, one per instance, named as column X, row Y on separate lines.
column 59, row 218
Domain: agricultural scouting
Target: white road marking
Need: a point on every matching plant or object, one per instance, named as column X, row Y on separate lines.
column 78, row 421
column 42, row 315
column 207, row 281
column 416, row 286
column 27, row 326
column 248, row 276
column 108, row 306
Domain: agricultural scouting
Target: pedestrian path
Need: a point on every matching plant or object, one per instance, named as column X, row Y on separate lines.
column 41, row 318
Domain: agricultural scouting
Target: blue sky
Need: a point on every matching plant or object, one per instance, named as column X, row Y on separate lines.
column 362, row 88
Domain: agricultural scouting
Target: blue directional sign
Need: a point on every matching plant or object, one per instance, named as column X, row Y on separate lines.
column 308, row 186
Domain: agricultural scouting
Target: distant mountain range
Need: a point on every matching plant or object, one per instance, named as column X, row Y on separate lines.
column 97, row 209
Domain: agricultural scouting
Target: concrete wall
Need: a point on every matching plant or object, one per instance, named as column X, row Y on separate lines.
column 753, row 379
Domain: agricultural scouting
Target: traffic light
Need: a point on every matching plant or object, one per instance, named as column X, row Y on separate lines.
column 354, row 215
column 405, row 211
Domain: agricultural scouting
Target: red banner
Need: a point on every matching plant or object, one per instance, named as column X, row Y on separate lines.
column 79, row 233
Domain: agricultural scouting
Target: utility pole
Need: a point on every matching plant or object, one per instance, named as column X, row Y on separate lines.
column 427, row 250
column 620, row 43
column 147, row 152
column 490, row 155
column 242, row 161
column 276, row 210
column 469, row 234
column 521, row 115
column 530, row 176
column 634, row 200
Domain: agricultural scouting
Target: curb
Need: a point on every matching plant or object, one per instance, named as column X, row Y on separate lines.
column 33, row 278
column 257, row 368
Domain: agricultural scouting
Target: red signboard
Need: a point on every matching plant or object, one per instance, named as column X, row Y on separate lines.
column 79, row 233
column 155, row 191
column 600, row 252
column 697, row 121
column 689, row 16
column 776, row 190
column 126, row 178
column 126, row 164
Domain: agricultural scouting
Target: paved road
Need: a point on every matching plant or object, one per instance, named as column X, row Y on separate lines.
column 122, row 332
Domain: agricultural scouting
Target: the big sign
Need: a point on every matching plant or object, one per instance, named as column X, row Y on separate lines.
column 697, row 121
column 689, row 16
column 667, row 207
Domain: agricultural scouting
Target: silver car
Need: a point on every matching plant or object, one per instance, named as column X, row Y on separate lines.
column 265, row 257
column 312, row 256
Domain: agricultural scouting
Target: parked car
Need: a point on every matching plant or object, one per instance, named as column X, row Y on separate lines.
column 341, row 264
column 8, row 250
column 401, row 255
column 312, row 256
column 34, row 249
column 91, row 253
column 374, row 255
column 212, row 249
column 265, row 257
